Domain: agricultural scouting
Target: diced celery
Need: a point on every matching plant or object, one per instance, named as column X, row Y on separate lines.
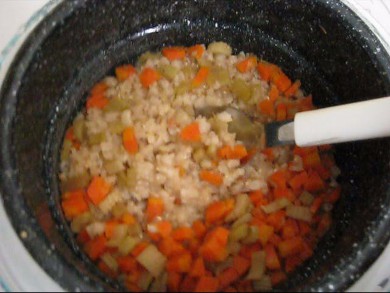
column 79, row 222
column 78, row 182
column 110, row 261
column 113, row 166
column 242, row 206
column 66, row 147
column 241, row 89
column 299, row 213
column 116, row 104
column 168, row 71
column 218, row 74
column 233, row 247
column 306, row 198
column 256, row 272
column 119, row 234
column 116, row 127
column 242, row 220
column 119, row 210
column 239, row 233
column 219, row 48
column 145, row 280
column 263, row 285
column 199, row 154
column 182, row 88
column 189, row 71
column 127, row 245
column 135, row 230
column 96, row 138
column 253, row 235
column 211, row 151
column 152, row 260
column 228, row 263
column 127, row 178
column 276, row 205
column 79, row 129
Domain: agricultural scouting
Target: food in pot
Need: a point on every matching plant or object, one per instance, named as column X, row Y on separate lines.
column 166, row 200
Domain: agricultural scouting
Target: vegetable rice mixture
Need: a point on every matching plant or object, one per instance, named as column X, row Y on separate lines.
column 164, row 199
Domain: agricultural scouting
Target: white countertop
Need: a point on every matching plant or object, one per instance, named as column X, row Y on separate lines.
column 14, row 13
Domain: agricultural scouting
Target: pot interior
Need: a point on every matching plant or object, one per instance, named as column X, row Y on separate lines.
column 322, row 43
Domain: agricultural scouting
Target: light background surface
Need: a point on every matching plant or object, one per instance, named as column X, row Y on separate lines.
column 14, row 13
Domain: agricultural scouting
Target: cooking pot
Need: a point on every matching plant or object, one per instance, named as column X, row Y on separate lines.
column 323, row 43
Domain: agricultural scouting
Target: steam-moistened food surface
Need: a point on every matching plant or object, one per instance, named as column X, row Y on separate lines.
column 164, row 199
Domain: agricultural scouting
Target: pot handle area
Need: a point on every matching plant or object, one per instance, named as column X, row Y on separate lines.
column 350, row 122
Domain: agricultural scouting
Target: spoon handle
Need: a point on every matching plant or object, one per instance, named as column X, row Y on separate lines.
column 350, row 122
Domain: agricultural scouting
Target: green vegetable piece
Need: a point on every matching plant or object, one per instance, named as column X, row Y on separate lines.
column 168, row 71
column 241, row 90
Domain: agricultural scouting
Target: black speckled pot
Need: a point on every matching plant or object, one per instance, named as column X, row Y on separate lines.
column 321, row 42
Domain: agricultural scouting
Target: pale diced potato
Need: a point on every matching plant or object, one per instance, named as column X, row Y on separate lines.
column 220, row 48
column 152, row 260
column 276, row 205
column 127, row 245
column 299, row 213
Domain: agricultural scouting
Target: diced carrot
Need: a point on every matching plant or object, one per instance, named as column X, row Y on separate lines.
column 230, row 289
column 155, row 208
column 269, row 153
column 200, row 77
column 188, row 284
column 198, row 268
column 173, row 282
column 106, row 270
column 304, row 228
column 96, row 247
column 265, row 232
column 170, row 247
column 199, row 229
column 266, row 70
column 69, row 135
column 281, row 112
column 217, row 211
column 303, row 151
column 258, row 198
column 139, row 248
column 247, row 250
column 164, row 230
column 196, row 51
column 290, row 229
column 293, row 89
column 180, row 263
column 311, row 160
column 291, row 263
column 239, row 152
column 277, row 220
column 314, row 182
column 250, row 154
column 148, row 77
column 224, row 152
column 191, row 133
column 306, row 104
column 183, row 234
column 132, row 287
column 267, row 108
column 298, row 181
column 74, row 204
column 227, row 277
column 124, row 72
column 281, row 80
column 334, row 196
column 99, row 88
column 212, row 177
column 110, row 228
column 130, row 141
column 280, row 192
column 83, row 237
column 247, row 64
column 324, row 224
column 279, row 178
column 127, row 264
column 98, row 189
column 290, row 247
column 271, row 258
column 128, row 219
column 259, row 215
column 97, row 101
column 193, row 245
column 174, row 53
column 275, row 240
column 278, row 277
column 207, row 284
column 214, row 245
column 316, row 204
column 273, row 93
column 241, row 265
column 323, row 172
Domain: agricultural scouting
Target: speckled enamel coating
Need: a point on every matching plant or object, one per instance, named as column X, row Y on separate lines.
column 320, row 42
